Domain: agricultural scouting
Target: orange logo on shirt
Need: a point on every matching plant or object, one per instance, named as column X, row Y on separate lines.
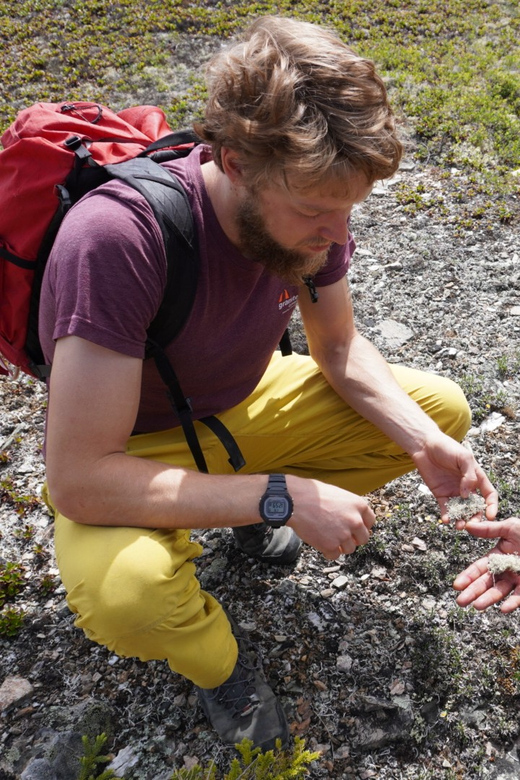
column 286, row 300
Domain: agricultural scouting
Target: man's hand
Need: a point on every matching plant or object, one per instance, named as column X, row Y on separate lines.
column 479, row 586
column 331, row 519
column 449, row 469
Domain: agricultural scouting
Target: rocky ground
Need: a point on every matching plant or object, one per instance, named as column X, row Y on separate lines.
column 377, row 667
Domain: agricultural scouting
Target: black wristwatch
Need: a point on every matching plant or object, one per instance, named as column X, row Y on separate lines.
column 276, row 505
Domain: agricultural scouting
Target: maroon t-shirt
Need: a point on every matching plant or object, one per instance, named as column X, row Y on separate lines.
column 105, row 280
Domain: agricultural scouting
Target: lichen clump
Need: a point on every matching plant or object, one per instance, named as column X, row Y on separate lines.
column 465, row 508
column 498, row 564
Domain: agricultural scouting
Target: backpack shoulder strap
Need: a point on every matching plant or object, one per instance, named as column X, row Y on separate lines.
column 171, row 208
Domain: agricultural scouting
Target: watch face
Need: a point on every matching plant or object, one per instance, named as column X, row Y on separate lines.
column 276, row 508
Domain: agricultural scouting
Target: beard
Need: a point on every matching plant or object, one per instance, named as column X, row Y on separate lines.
column 258, row 244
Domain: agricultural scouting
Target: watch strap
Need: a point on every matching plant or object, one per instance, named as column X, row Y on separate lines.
column 277, row 483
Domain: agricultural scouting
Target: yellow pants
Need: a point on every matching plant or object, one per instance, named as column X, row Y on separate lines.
column 135, row 590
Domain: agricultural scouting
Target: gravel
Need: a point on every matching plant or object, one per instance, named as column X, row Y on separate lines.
column 377, row 667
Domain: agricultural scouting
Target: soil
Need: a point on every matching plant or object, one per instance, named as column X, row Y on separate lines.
column 375, row 664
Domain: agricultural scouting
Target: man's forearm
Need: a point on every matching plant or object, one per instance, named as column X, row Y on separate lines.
column 361, row 376
column 124, row 490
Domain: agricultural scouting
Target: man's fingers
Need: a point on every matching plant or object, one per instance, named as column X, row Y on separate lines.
column 369, row 517
column 476, row 479
column 357, row 537
column 474, row 591
column 486, row 529
column 512, row 603
column 490, row 494
column 361, row 535
column 472, row 574
column 499, row 590
column 469, row 481
column 348, row 546
column 485, row 590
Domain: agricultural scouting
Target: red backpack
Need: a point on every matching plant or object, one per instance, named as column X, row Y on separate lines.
column 53, row 154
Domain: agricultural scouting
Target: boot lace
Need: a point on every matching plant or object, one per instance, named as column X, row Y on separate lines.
column 238, row 693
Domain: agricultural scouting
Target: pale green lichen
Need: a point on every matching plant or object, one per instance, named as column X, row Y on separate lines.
column 498, row 564
column 465, row 508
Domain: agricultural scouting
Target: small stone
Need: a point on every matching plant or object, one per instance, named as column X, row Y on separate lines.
column 342, row 752
column 419, row 544
column 340, row 582
column 124, row 761
column 327, row 593
column 491, row 423
column 316, row 621
column 321, row 686
column 321, row 748
column 13, row 691
column 344, row 663
column 394, row 333
column 397, row 688
column 247, row 626
column 40, row 769
column 25, row 712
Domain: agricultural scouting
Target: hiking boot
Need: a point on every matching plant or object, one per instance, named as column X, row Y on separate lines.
column 270, row 545
column 244, row 706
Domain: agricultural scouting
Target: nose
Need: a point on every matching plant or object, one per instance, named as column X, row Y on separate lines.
column 334, row 227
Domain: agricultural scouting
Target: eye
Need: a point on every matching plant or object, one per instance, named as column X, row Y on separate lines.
column 308, row 215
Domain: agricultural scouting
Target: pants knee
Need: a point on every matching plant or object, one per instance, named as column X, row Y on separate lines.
column 442, row 399
column 162, row 618
column 133, row 600
column 126, row 580
column 454, row 417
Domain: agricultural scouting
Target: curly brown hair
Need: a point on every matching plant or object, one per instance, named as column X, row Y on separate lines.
column 299, row 107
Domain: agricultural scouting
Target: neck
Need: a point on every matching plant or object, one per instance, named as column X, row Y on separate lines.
column 224, row 198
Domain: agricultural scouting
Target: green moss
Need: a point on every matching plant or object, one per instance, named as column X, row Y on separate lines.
column 453, row 69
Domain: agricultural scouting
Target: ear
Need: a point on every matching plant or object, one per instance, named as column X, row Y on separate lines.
column 231, row 166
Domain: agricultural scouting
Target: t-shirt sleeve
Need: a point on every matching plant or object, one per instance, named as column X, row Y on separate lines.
column 107, row 272
column 337, row 264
